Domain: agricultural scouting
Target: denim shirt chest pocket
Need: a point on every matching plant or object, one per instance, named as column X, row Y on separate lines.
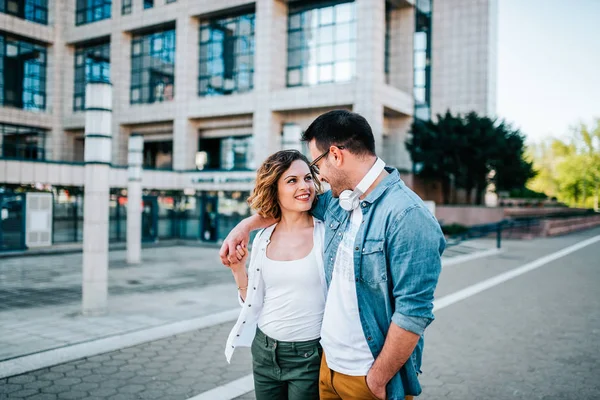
column 332, row 226
column 373, row 267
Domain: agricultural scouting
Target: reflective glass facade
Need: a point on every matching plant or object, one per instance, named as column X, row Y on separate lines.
column 92, row 62
column 22, row 142
column 225, row 153
column 321, row 43
column 422, row 60
column 226, row 55
column 125, row 7
column 30, row 10
column 88, row 11
column 153, row 67
column 22, row 74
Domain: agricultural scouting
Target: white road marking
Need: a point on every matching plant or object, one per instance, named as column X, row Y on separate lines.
column 74, row 352
column 228, row 391
column 245, row 384
column 448, row 262
column 498, row 279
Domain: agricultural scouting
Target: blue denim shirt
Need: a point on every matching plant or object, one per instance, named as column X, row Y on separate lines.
column 397, row 262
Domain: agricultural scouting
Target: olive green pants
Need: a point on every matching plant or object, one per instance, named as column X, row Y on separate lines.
column 285, row 370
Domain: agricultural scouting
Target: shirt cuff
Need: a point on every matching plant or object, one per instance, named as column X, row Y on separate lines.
column 415, row 325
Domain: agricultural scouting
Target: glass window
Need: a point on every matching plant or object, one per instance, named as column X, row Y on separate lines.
column 387, row 51
column 23, row 142
column 226, row 56
column 148, row 4
column 22, row 74
column 30, row 10
column 321, row 43
column 125, row 7
column 422, row 57
column 88, row 11
column 158, row 155
column 225, row 153
column 92, row 62
column 153, row 67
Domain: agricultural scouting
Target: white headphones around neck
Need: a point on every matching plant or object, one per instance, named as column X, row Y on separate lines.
column 350, row 199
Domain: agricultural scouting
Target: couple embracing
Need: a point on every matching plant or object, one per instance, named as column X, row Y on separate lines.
column 339, row 285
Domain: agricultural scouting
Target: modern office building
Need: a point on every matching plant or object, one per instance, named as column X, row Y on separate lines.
column 216, row 86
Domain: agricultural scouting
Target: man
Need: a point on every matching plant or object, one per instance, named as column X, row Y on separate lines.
column 382, row 255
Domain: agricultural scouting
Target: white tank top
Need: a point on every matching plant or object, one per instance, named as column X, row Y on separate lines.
column 294, row 300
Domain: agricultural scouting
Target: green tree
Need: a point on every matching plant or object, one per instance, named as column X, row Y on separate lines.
column 465, row 150
column 570, row 170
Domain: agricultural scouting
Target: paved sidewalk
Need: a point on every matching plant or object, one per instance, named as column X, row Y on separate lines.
column 40, row 295
column 176, row 368
column 533, row 337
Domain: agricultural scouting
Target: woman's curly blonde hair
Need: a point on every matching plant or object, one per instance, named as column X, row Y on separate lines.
column 264, row 196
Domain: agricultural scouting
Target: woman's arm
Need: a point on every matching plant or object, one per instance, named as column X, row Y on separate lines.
column 240, row 235
column 239, row 272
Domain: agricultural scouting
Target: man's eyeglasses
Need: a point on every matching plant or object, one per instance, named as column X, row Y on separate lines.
column 313, row 165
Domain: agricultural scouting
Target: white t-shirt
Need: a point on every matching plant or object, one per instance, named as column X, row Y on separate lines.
column 342, row 336
column 294, row 299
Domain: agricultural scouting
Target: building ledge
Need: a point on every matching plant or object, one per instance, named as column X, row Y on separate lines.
column 311, row 97
column 17, row 116
column 26, row 29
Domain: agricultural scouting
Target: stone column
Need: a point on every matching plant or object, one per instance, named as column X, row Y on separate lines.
column 370, row 69
column 185, row 137
column 269, row 74
column 98, row 140
column 134, row 199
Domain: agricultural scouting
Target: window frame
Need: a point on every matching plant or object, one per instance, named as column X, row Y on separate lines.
column 81, row 70
column 297, row 54
column 242, row 48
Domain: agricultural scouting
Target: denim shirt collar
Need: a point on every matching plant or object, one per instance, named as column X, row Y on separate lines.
column 390, row 180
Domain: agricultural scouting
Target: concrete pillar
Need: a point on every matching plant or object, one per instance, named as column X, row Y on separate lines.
column 185, row 137
column 98, row 140
column 370, row 68
column 134, row 199
column 120, row 71
column 269, row 74
column 58, row 57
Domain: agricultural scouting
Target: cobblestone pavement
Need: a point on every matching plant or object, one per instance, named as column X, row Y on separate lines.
column 532, row 337
column 170, row 369
column 40, row 295
column 34, row 281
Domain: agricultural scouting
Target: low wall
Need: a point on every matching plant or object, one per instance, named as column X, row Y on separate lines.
column 468, row 215
column 555, row 227
column 519, row 212
column 478, row 215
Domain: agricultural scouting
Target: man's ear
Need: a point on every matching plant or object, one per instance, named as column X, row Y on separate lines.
column 337, row 156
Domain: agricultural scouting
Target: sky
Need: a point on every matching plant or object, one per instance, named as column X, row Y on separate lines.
column 548, row 65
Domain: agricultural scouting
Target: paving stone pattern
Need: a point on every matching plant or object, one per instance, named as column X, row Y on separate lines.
column 35, row 281
column 176, row 368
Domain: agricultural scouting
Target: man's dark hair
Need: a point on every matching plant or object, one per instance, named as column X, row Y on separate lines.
column 341, row 128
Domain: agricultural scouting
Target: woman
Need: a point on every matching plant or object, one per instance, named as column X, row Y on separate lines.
column 283, row 293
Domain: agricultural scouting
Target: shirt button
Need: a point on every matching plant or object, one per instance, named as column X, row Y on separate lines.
column 356, row 248
column 369, row 338
column 364, row 205
column 249, row 305
column 356, row 279
column 258, row 269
